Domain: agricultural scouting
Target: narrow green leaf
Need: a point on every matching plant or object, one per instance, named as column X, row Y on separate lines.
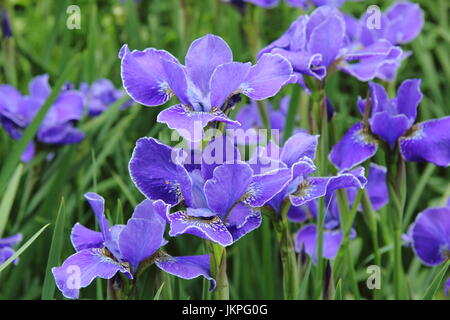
column 22, row 248
column 8, row 198
column 292, row 112
column 158, row 293
column 436, row 284
column 48, row 289
column 338, row 294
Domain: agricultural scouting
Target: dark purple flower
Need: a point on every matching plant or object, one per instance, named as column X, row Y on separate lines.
column 6, row 247
column 297, row 154
column 315, row 43
column 122, row 248
column 204, row 86
column 221, row 194
column 100, row 95
column 17, row 112
column 431, row 236
column 6, row 26
column 392, row 121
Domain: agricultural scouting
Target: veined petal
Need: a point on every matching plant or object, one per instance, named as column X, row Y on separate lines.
column 267, row 77
column 355, row 147
column 265, row 186
column 243, row 220
column 144, row 75
column 309, row 189
column 85, row 238
column 428, row 141
column 81, row 268
column 187, row 267
column 203, row 57
column 304, row 62
column 212, row 229
column 190, row 123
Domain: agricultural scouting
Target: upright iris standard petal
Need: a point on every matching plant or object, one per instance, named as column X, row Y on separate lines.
column 203, row 57
column 190, row 123
column 299, row 146
column 144, row 75
column 389, row 127
column 97, row 204
column 431, row 236
column 406, row 21
column 147, row 209
column 356, row 146
column 408, row 98
column 157, row 171
column 187, row 267
column 85, row 238
column 428, row 141
column 320, row 40
column 39, row 87
column 267, row 77
column 140, row 239
column 226, row 81
column 81, row 268
column 229, row 184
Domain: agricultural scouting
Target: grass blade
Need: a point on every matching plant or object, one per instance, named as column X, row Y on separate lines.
column 48, row 289
column 22, row 248
column 436, row 284
column 8, row 198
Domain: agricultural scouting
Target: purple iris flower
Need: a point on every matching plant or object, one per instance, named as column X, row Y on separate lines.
column 221, row 194
column 431, row 236
column 100, row 95
column 17, row 112
column 122, row 248
column 6, row 247
column 332, row 237
column 392, row 121
column 206, row 86
column 297, row 155
column 400, row 24
column 318, row 43
column 293, row 3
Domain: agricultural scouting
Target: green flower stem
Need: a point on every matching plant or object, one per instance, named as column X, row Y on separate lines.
column 291, row 271
column 372, row 224
column 218, row 261
column 396, row 180
column 347, row 218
